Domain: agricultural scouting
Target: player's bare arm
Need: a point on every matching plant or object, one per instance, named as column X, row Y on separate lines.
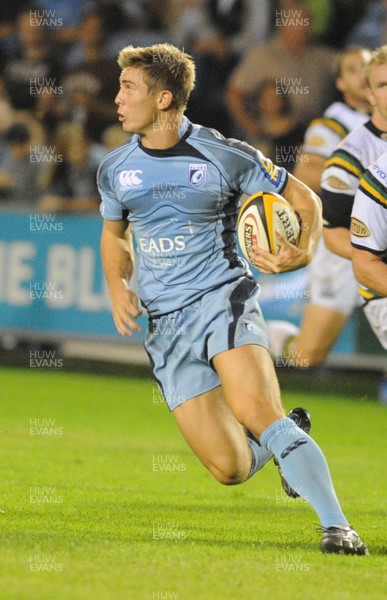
column 308, row 206
column 370, row 270
column 117, row 263
column 309, row 170
column 338, row 240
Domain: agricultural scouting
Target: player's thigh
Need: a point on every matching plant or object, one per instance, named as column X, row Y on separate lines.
column 215, row 436
column 331, row 281
column 321, row 326
column 250, row 386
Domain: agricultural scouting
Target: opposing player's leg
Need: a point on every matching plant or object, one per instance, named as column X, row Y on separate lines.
column 252, row 392
column 320, row 328
column 333, row 296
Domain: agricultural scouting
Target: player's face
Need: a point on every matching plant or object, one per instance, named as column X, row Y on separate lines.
column 352, row 81
column 377, row 92
column 137, row 109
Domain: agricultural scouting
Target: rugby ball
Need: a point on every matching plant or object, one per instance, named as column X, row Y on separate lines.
column 261, row 215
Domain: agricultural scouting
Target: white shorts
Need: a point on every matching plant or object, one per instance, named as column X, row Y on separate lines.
column 331, row 281
column 376, row 313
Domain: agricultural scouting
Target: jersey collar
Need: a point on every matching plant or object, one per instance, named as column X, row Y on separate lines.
column 185, row 128
column 373, row 129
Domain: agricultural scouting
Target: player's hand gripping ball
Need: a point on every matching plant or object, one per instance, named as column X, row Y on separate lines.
column 261, row 215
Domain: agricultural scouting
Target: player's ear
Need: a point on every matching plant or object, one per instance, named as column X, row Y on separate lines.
column 165, row 99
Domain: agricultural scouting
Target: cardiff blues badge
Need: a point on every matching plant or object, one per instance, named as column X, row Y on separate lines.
column 197, row 174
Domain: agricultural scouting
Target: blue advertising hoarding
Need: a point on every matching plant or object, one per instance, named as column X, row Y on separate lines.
column 50, row 275
column 51, row 281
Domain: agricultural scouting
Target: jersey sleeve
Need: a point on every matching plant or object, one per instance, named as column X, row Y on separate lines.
column 111, row 208
column 322, row 136
column 339, row 182
column 265, row 176
column 250, row 171
column 369, row 216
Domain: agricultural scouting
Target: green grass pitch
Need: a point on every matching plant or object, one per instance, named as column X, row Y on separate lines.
column 101, row 499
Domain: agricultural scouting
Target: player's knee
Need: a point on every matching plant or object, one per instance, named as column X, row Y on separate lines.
column 228, row 475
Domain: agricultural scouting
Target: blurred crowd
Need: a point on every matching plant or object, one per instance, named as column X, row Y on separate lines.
column 265, row 68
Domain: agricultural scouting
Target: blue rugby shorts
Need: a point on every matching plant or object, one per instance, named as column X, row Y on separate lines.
column 181, row 344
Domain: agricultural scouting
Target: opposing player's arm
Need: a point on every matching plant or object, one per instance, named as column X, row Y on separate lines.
column 338, row 241
column 369, row 228
column 117, row 263
column 309, row 169
column 370, row 270
column 337, row 208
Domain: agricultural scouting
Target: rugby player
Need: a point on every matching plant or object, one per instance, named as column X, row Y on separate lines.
column 341, row 177
column 369, row 244
column 211, row 362
column 332, row 286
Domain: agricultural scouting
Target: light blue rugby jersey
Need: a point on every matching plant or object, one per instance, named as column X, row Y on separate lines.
column 183, row 205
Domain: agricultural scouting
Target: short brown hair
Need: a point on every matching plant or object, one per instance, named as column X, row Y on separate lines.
column 165, row 67
column 378, row 57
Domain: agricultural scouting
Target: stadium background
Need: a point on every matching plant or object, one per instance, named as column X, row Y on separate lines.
column 58, row 79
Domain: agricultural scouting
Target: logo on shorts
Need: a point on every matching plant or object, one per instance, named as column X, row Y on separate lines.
column 250, row 326
column 130, row 180
column 197, row 174
column 358, row 228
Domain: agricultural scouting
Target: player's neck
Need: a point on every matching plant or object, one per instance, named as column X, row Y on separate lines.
column 379, row 121
column 361, row 107
column 164, row 132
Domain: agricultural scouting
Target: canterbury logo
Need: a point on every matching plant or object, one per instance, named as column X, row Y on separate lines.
column 293, row 446
column 130, row 178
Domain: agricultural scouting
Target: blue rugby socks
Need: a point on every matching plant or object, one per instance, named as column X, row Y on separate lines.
column 260, row 456
column 304, row 467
